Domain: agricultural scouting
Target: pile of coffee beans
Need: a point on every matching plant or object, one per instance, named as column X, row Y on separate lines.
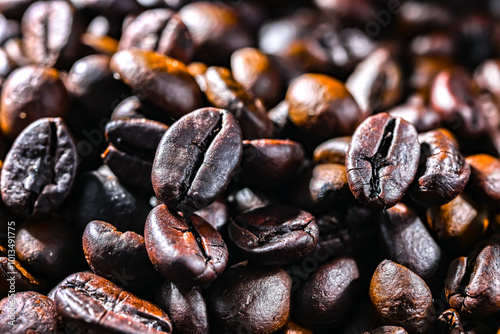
column 250, row 167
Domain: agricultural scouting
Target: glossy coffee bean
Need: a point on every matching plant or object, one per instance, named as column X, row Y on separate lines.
column 186, row 308
column 217, row 214
column 332, row 151
column 443, row 172
column 401, row 298
column 256, row 72
column 485, row 177
column 96, row 305
column 388, row 330
column 131, row 150
column 249, row 299
column 196, row 159
column 118, row 256
column 31, row 93
column 223, row 91
column 161, row 80
column 274, row 235
column 416, row 112
column 472, row 283
column 382, row 160
column 39, row 169
column 449, row 322
column 14, row 278
column 184, row 249
column 33, row 313
column 269, row 163
column 322, row 106
column 160, row 30
column 52, row 32
column 407, row 241
column 134, row 107
column 328, row 295
column 246, row 199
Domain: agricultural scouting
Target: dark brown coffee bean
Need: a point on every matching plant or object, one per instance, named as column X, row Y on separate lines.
column 158, row 79
column 39, row 169
column 256, row 72
column 425, row 70
column 224, row 92
column 292, row 327
column 247, row 199
column 185, row 250
column 388, row 330
column 332, row 151
column 119, row 256
column 196, row 159
column 51, row 33
column 322, row 106
column 269, row 163
column 217, row 214
column 407, row 241
column 382, row 160
column 133, row 107
column 449, row 322
column 401, row 298
column 28, row 94
column 14, row 278
column 443, row 172
column 33, row 313
column 186, row 308
column 274, row 235
column 472, row 284
column 131, row 150
column 160, row 30
column 249, row 299
column 417, row 113
column 96, row 305
column 485, row 177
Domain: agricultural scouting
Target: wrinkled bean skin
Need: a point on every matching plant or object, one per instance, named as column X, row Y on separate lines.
column 34, row 313
column 196, row 159
column 274, row 235
column 185, row 250
column 443, row 172
column 39, row 169
column 251, row 299
column 485, row 177
column 98, row 306
column 327, row 296
column 382, row 160
column 401, row 298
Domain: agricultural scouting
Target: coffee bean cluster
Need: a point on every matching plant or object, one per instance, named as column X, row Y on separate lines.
column 249, row 167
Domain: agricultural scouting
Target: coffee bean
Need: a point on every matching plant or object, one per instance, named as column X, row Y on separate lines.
column 449, row 322
column 39, row 169
column 417, row 113
column 382, row 160
column 184, row 249
column 95, row 304
column 388, row 330
column 332, row 151
column 133, row 107
column 217, row 214
column 401, row 298
column 274, row 235
column 485, row 177
column 196, row 159
column 14, row 278
column 246, row 199
column 292, row 327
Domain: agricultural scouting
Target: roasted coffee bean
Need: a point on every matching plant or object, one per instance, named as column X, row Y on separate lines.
column 161, row 80
column 110, row 8
column 133, row 107
column 332, row 151
column 216, row 214
column 407, row 241
column 459, row 223
column 485, row 177
column 119, row 256
column 96, row 305
column 382, row 160
column 131, row 150
column 388, row 330
column 256, row 72
column 160, row 30
column 417, row 113
column 292, row 327
column 425, row 70
column 14, row 49
column 28, row 94
column 14, row 278
column 224, row 92
column 472, row 283
column 196, row 159
column 247, row 199
column 184, row 249
column 51, row 33
column 28, row 312
column 98, row 195
column 443, row 172
column 328, row 295
column 274, row 235
column 401, row 298
column 322, row 106
column 376, row 82
column 487, row 77
column 39, row 169
column 46, row 247
column 186, row 308
column 269, row 163
column 449, row 322
column 216, row 31
column 7, row 66
column 249, row 299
